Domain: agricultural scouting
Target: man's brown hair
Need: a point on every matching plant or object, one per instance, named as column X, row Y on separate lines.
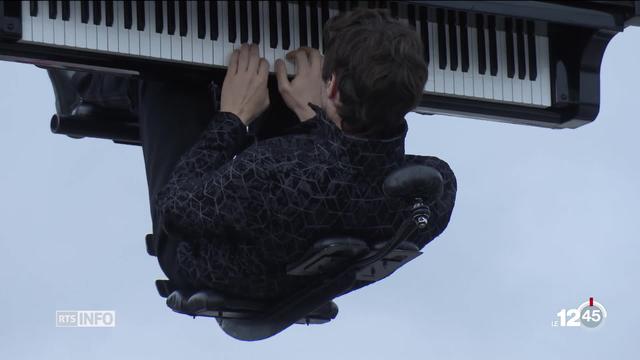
column 379, row 67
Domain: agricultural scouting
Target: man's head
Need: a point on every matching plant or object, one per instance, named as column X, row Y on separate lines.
column 374, row 70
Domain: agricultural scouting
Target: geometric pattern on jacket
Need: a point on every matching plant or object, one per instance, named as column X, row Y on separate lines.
column 242, row 210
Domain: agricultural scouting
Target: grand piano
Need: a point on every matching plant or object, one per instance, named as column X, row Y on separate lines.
column 523, row 62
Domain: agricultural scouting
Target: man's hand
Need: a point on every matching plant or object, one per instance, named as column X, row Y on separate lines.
column 306, row 86
column 244, row 91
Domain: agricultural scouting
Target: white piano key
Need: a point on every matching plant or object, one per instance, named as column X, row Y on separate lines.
column 536, row 96
column 293, row 29
column 176, row 42
column 187, row 42
column 58, row 25
column 438, row 73
column 112, row 31
column 165, row 38
column 207, row 43
column 526, row 83
column 468, row 76
column 154, row 37
column 92, row 31
column 36, row 25
column 517, row 83
column 102, row 30
column 279, row 52
column 228, row 46
column 145, row 35
column 47, row 24
column 81, row 28
column 123, row 33
column 238, row 43
column 497, row 79
column 507, row 83
column 70, row 27
column 543, row 70
column 27, row 31
column 449, row 87
column 458, row 78
column 487, row 80
column 478, row 85
column 430, row 86
column 269, row 53
column 219, row 44
column 261, row 29
column 134, row 35
column 196, row 42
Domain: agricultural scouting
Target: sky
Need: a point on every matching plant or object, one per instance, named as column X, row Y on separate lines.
column 544, row 219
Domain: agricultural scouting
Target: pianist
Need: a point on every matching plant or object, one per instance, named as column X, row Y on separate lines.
column 230, row 211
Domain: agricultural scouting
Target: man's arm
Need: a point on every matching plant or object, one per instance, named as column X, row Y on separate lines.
column 210, row 187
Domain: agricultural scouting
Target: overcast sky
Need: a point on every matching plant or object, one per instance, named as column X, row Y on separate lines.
column 544, row 219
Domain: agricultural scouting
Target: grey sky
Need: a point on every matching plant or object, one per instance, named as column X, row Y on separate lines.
column 544, row 219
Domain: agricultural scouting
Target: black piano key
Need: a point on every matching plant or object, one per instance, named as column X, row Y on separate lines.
column 453, row 40
column 424, row 32
column 353, row 5
column 284, row 21
column 213, row 19
column 522, row 70
column 255, row 21
column 202, row 23
column 97, row 13
column 159, row 17
column 325, row 12
column 342, row 6
column 84, row 12
column 183, row 17
column 493, row 47
column 482, row 50
column 372, row 4
column 273, row 25
column 511, row 63
column 53, row 9
column 394, row 9
column 108, row 12
column 302, row 21
column 531, row 42
column 140, row 16
column 66, row 10
column 382, row 4
column 231, row 21
column 244, row 22
column 128, row 14
column 171, row 17
column 411, row 15
column 464, row 42
column 33, row 8
column 313, row 12
column 442, row 40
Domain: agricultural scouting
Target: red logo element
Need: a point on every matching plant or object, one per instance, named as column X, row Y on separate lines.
column 591, row 301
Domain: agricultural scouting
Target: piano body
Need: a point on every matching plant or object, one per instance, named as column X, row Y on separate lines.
column 523, row 62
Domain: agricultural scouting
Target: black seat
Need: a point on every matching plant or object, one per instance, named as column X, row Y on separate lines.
column 344, row 263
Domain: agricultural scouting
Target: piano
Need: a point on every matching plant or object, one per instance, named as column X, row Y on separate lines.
column 522, row 62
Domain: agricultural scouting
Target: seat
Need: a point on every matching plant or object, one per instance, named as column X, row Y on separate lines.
column 344, row 264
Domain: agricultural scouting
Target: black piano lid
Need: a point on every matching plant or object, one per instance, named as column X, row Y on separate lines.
column 605, row 15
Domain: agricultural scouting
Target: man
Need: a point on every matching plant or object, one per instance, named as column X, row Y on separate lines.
column 231, row 212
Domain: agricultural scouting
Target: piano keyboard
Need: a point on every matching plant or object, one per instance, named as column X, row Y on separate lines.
column 474, row 56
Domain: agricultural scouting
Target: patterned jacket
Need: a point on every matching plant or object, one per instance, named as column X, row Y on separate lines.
column 240, row 211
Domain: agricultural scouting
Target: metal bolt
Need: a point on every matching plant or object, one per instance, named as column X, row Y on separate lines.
column 422, row 221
